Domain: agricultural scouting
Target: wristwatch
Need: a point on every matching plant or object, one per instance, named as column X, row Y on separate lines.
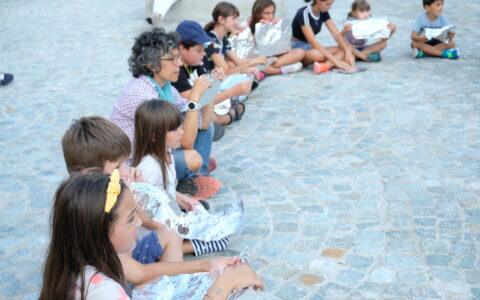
column 193, row 106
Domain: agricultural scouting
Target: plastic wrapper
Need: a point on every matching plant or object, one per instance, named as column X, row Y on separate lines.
column 234, row 79
column 199, row 224
column 373, row 28
column 440, row 34
column 243, row 44
column 184, row 286
column 273, row 39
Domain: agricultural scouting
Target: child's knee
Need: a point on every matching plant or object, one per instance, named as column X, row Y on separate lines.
column 194, row 160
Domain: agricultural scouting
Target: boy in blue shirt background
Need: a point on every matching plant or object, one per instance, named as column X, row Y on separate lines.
column 432, row 18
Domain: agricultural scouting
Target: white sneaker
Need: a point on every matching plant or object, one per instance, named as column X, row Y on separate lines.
column 292, row 68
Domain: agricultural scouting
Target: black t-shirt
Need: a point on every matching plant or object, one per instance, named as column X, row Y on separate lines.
column 222, row 47
column 305, row 16
column 183, row 83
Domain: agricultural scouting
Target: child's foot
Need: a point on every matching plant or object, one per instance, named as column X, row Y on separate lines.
column 374, row 57
column 451, row 53
column 319, row 67
column 417, row 53
column 201, row 247
column 291, row 68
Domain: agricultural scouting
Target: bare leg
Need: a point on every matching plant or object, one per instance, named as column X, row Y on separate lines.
column 289, row 58
column 314, row 55
column 377, row 47
column 187, row 247
column 193, row 159
column 433, row 50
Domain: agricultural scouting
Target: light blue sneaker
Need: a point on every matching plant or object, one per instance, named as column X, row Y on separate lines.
column 417, row 53
column 451, row 53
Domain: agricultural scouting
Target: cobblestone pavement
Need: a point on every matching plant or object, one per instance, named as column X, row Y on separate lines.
column 360, row 186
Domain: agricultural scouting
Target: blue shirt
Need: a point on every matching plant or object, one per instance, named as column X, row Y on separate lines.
column 306, row 17
column 423, row 22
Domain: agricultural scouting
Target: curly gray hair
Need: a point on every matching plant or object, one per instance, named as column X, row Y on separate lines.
column 149, row 47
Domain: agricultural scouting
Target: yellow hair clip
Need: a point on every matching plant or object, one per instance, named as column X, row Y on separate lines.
column 113, row 190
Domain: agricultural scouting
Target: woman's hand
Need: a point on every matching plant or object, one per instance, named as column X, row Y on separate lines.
column 350, row 59
column 344, row 66
column 199, row 87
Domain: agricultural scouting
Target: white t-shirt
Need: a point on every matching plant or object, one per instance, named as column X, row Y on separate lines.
column 152, row 173
column 99, row 286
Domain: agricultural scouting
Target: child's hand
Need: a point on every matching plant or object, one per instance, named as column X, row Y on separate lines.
column 199, row 87
column 219, row 264
column 186, row 202
column 251, row 70
column 133, row 175
column 219, row 73
column 450, row 35
column 423, row 38
column 260, row 60
column 242, row 276
column 348, row 27
column 275, row 21
column 242, row 88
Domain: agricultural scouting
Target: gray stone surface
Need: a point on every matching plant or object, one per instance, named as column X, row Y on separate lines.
column 382, row 166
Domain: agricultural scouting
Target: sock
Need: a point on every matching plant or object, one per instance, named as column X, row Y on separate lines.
column 450, row 53
column 201, row 247
column 419, row 53
column 295, row 67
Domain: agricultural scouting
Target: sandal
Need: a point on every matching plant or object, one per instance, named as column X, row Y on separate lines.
column 235, row 105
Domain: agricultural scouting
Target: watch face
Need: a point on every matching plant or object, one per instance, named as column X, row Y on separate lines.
column 191, row 105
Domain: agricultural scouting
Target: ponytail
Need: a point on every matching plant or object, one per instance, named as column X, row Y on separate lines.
column 222, row 9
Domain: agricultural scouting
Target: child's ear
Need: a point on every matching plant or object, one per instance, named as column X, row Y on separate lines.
column 221, row 20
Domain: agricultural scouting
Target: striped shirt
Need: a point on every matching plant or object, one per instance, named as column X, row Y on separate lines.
column 306, row 17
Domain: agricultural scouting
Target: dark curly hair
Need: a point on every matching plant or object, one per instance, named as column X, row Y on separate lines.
column 149, row 47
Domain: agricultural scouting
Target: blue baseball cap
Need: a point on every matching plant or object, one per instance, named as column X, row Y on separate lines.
column 192, row 31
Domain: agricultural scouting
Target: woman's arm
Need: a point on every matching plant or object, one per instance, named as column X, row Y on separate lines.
column 190, row 122
column 347, row 49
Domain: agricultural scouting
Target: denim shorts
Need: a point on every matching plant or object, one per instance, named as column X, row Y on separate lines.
column 300, row 44
column 148, row 250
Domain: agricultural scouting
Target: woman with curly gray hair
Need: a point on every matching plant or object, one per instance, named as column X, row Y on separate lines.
column 154, row 63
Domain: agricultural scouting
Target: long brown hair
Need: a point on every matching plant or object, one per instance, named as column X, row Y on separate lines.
column 80, row 237
column 153, row 119
column 361, row 5
column 222, row 9
column 257, row 9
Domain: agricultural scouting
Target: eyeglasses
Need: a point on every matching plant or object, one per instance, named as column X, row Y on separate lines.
column 176, row 59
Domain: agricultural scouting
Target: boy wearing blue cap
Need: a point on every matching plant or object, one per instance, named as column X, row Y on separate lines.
column 194, row 45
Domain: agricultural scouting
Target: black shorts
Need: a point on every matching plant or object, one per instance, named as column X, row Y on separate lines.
column 433, row 42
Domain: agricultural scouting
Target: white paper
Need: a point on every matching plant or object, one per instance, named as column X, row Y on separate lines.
column 273, row 39
column 373, row 28
column 439, row 33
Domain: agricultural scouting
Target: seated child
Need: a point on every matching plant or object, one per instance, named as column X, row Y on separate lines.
column 94, row 222
column 432, row 17
column 94, row 142
column 194, row 46
column 306, row 24
column 361, row 11
column 263, row 11
column 225, row 20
